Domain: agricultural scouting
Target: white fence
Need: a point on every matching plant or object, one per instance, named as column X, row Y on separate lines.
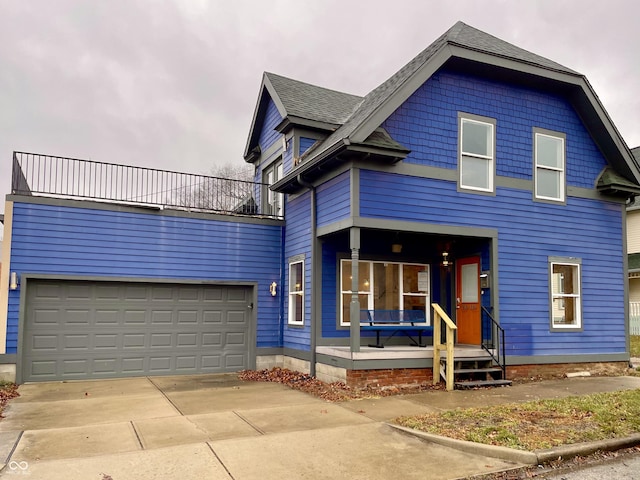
column 634, row 318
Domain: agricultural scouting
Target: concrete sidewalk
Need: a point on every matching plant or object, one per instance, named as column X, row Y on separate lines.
column 214, row 426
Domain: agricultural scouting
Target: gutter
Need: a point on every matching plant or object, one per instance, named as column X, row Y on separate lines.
column 314, row 297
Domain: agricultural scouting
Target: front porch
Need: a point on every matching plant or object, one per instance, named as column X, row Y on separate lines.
column 399, row 352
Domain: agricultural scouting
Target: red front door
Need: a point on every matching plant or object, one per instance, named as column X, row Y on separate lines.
column 468, row 300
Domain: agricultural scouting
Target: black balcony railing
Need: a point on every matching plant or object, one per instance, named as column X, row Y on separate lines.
column 61, row 177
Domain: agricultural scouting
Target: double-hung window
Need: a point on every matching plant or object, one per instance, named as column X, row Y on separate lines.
column 296, row 293
column 272, row 201
column 477, row 158
column 549, row 165
column 565, row 296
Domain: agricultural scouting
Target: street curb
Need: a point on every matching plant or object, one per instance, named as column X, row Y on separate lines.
column 521, row 456
column 502, row 453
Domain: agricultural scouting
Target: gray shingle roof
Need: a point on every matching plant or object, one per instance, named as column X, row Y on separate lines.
column 460, row 34
column 636, row 153
column 308, row 101
column 469, row 37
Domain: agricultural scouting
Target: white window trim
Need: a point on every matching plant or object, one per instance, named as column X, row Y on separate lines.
column 537, row 133
column 467, row 118
column 271, row 198
column 292, row 294
column 553, row 296
column 370, row 299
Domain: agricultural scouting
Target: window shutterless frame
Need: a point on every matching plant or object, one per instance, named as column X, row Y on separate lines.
column 295, row 314
column 549, row 165
column 476, row 153
column 272, row 201
column 565, row 294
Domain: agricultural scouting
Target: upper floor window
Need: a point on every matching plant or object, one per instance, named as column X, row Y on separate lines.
column 477, row 159
column 272, row 201
column 549, row 166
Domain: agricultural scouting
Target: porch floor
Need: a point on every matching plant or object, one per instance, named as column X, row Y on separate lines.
column 390, row 352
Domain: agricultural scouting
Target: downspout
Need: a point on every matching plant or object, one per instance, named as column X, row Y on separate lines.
column 314, row 299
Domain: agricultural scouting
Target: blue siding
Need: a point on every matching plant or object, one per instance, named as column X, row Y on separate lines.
column 83, row 241
column 334, row 199
column 528, row 232
column 330, row 297
column 305, row 144
column 267, row 133
column 427, row 124
column 297, row 242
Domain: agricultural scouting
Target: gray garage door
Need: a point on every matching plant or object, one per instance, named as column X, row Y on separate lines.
column 80, row 330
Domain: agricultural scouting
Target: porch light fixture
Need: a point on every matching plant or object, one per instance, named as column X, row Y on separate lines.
column 445, row 259
column 273, row 289
column 13, row 281
column 396, row 248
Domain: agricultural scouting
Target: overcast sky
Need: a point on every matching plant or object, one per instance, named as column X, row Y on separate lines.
column 173, row 84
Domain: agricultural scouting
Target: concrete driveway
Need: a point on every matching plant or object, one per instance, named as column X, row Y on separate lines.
column 214, row 427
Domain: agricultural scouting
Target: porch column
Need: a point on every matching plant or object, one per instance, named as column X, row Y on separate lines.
column 354, row 306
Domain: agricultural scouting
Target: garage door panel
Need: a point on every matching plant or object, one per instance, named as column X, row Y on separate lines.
column 187, row 316
column 107, row 317
column 77, row 330
column 134, row 317
column 82, row 317
column 237, row 317
column 47, row 291
column 237, row 295
column 188, row 294
column 46, row 317
column 161, row 317
column 105, row 341
column 44, row 343
column 213, row 294
column 161, row 340
column 76, row 342
column 107, row 292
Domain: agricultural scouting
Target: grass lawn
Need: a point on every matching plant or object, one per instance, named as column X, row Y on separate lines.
column 539, row 424
column 635, row 345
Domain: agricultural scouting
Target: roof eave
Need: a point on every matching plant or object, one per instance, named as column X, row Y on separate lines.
column 258, row 114
column 291, row 121
column 606, row 135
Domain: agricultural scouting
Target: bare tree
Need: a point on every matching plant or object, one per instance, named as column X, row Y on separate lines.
column 226, row 188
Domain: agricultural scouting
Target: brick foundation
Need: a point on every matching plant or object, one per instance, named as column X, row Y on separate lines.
column 389, row 377
column 415, row 376
column 557, row 370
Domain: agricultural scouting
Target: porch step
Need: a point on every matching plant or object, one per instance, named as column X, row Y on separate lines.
column 476, row 371
column 482, row 383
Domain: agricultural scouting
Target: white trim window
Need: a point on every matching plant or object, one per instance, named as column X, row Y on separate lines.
column 296, row 293
column 273, row 201
column 385, row 286
column 565, row 295
column 476, row 159
column 549, row 167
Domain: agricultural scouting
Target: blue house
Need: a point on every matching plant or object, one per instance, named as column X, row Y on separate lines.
column 480, row 192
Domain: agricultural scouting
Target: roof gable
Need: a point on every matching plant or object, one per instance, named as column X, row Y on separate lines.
column 471, row 49
column 300, row 102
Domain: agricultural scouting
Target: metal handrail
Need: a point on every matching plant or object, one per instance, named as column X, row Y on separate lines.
column 497, row 352
column 65, row 177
